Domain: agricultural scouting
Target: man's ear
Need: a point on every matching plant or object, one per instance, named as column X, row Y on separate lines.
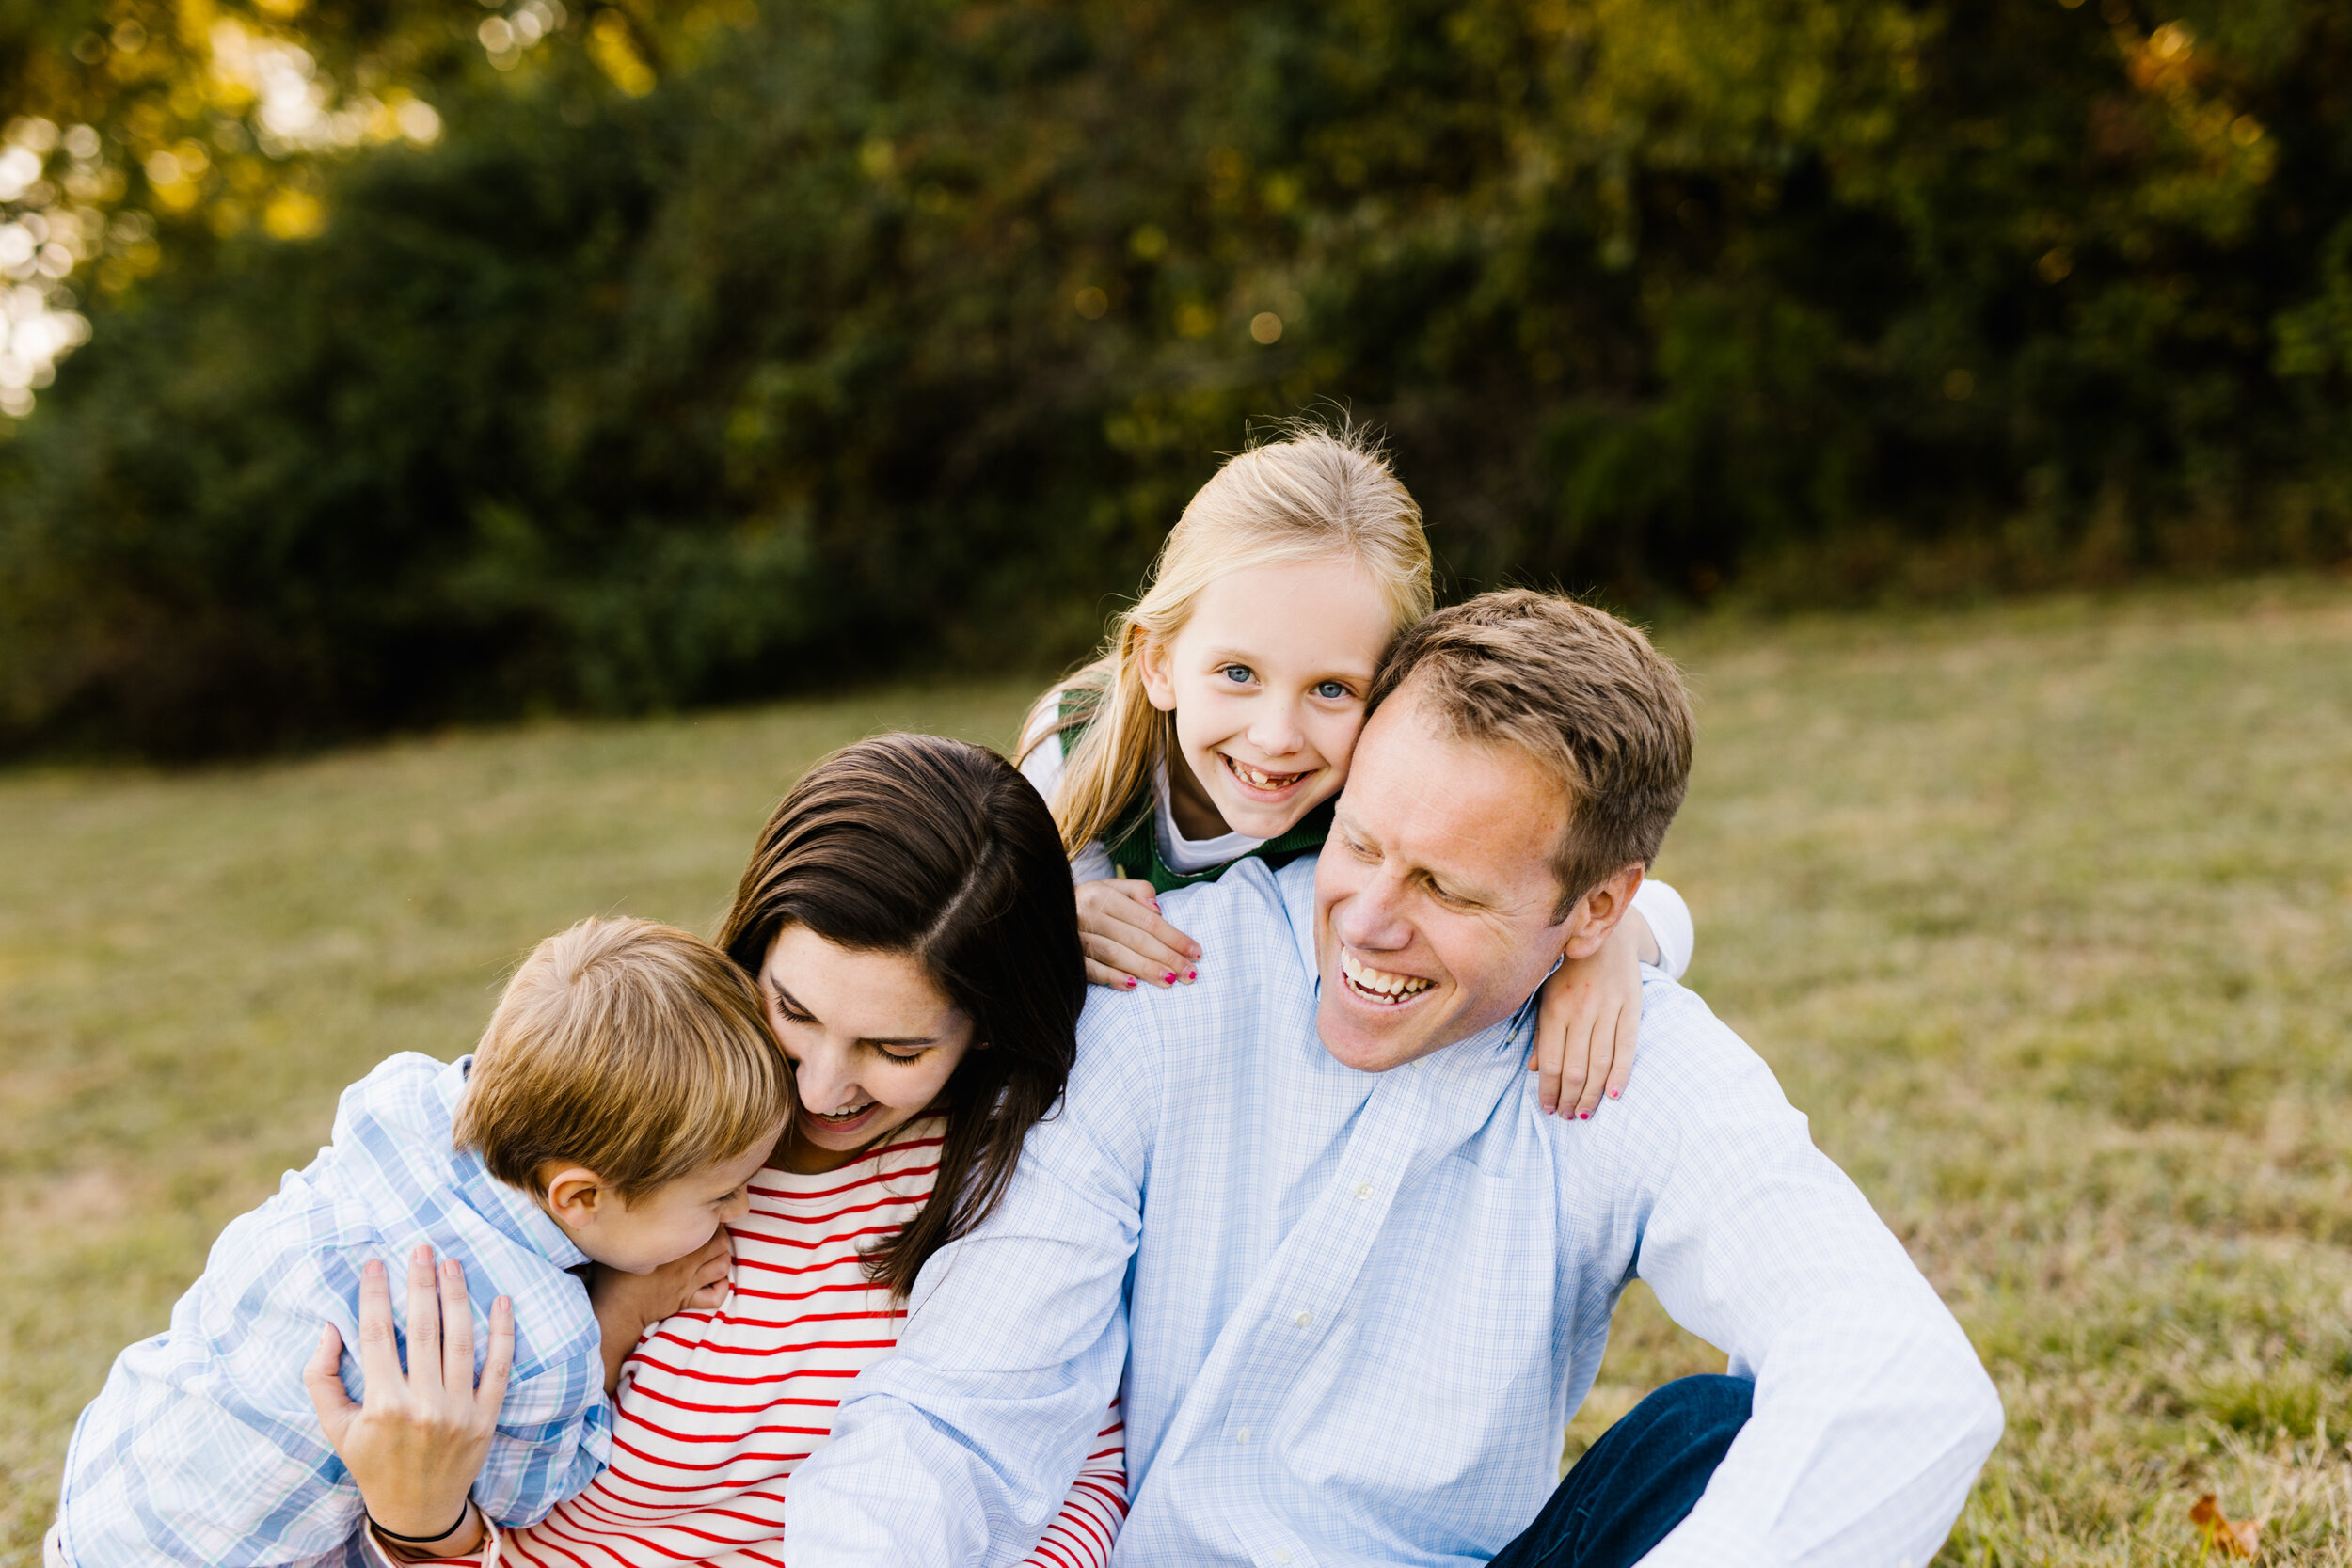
column 1596, row 914
column 574, row 1196
column 1159, row 680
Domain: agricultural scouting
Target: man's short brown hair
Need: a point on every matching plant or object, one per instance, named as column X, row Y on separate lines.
column 638, row 1050
column 1578, row 690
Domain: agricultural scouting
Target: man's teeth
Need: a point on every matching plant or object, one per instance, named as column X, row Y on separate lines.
column 1259, row 778
column 1379, row 982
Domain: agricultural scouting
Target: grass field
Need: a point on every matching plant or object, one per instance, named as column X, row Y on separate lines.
column 2044, row 912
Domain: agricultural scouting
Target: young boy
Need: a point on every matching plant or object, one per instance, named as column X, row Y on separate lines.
column 624, row 1094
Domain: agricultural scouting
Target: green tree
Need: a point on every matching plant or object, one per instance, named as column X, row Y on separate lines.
column 762, row 347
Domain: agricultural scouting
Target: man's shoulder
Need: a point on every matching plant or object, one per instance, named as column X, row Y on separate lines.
column 1253, row 975
column 1251, row 898
column 1693, row 1076
column 1254, row 929
column 1693, row 1045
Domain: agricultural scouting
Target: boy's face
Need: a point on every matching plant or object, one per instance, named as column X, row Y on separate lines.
column 1268, row 680
column 662, row 1225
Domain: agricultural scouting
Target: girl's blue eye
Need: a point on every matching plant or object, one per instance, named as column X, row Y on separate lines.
column 1330, row 691
column 1238, row 674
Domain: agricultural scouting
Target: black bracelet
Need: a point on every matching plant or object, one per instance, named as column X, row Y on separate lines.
column 421, row 1540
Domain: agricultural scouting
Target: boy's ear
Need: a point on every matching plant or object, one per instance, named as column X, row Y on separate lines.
column 1159, row 682
column 573, row 1195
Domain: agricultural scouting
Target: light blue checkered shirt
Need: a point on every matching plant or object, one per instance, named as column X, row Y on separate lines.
column 204, row 1449
column 1361, row 1307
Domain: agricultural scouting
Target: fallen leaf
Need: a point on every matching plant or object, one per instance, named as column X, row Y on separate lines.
column 2231, row 1537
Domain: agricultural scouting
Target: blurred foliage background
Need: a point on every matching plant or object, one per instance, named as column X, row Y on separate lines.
column 378, row 363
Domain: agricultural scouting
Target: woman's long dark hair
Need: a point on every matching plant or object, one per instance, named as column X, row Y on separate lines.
column 920, row 845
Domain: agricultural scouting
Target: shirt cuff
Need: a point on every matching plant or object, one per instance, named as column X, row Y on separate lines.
column 1670, row 923
column 1093, row 864
column 484, row 1555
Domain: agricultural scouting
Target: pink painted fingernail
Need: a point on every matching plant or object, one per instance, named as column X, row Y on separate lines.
column 1613, row 1094
column 1129, row 982
column 1583, row 1115
column 1192, row 974
column 1168, row 978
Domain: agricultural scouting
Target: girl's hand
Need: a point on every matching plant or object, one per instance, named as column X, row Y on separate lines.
column 418, row 1443
column 627, row 1304
column 1127, row 940
column 1588, row 1021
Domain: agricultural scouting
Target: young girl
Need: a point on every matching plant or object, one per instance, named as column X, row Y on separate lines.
column 907, row 919
column 1219, row 722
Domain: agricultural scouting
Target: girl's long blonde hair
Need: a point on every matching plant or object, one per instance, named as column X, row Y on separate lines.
column 1315, row 495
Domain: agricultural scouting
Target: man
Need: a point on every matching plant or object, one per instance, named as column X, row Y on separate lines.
column 1357, row 1280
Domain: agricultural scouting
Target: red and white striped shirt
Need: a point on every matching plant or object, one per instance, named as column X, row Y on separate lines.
column 717, row 1408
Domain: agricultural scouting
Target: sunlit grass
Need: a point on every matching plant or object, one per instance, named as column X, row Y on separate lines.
column 2044, row 912
column 192, row 967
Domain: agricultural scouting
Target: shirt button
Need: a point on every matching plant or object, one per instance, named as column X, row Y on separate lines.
column 1306, row 1318
column 1281, row 1554
column 1363, row 1191
column 1241, row 1436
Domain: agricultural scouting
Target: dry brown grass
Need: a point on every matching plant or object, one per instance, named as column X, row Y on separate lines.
column 2044, row 912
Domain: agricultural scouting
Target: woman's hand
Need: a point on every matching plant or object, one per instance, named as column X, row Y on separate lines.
column 627, row 1304
column 418, row 1443
column 1127, row 940
column 1588, row 1021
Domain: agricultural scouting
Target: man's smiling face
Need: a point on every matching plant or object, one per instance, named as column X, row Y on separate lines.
column 1434, row 896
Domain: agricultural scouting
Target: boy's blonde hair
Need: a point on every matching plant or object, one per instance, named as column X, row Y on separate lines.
column 638, row 1050
column 1315, row 496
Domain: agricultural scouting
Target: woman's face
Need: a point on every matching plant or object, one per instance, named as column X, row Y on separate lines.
column 871, row 1040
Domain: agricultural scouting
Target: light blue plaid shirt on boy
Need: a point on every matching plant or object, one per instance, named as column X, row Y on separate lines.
column 1354, row 1310
column 204, row 1449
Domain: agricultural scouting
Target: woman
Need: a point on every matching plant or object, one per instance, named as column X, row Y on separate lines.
column 908, row 917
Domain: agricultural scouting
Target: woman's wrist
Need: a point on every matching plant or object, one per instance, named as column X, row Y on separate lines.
column 457, row 1541
column 465, row 1512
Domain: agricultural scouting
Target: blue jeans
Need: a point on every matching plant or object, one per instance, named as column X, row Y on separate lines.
column 1639, row 1481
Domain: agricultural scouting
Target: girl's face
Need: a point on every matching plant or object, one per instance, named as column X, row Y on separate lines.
column 871, row 1040
column 1267, row 681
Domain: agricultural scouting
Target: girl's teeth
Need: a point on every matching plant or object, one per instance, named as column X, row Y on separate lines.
column 1263, row 780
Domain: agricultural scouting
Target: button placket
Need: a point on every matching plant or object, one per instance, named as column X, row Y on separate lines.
column 1409, row 1122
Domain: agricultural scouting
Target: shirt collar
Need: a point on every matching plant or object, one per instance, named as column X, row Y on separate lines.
column 510, row 1210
